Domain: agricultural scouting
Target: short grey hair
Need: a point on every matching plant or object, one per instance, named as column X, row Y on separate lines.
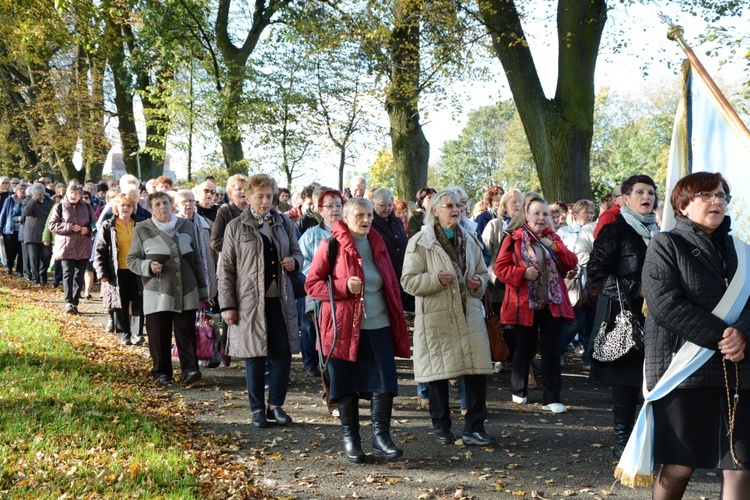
column 382, row 194
column 461, row 192
column 354, row 203
column 34, row 189
column 183, row 193
column 437, row 199
column 128, row 180
column 155, row 195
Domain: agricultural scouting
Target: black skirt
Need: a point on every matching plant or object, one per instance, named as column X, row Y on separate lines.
column 373, row 372
column 691, row 429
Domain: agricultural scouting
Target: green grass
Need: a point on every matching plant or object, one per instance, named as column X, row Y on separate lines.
column 71, row 426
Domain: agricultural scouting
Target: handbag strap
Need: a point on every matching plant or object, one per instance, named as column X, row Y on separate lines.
column 553, row 255
column 619, row 294
column 678, row 240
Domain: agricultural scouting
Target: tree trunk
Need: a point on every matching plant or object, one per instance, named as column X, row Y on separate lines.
column 559, row 130
column 123, row 99
column 228, row 122
column 236, row 60
column 411, row 151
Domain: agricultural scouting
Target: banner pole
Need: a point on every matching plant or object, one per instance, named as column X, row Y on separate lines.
column 675, row 34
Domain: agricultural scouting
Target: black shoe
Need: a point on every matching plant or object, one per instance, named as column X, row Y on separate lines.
column 259, row 419
column 163, row 379
column 213, row 363
column 477, row 439
column 191, row 377
column 454, row 386
column 279, row 415
column 313, row 372
column 88, row 297
column 444, row 436
column 55, row 283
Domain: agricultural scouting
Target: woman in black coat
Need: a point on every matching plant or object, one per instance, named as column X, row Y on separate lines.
column 686, row 274
column 616, row 262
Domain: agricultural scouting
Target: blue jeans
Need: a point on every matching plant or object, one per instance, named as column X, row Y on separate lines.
column 580, row 326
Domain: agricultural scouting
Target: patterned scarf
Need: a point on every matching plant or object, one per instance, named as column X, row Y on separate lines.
column 493, row 212
column 260, row 218
column 549, row 277
column 456, row 250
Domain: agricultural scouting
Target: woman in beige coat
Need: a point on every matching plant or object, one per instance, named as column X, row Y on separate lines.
column 445, row 271
column 257, row 300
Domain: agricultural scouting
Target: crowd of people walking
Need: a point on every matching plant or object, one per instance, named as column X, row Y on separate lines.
column 338, row 277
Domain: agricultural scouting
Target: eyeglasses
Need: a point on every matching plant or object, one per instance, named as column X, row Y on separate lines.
column 331, row 207
column 709, row 197
column 450, row 206
column 209, row 191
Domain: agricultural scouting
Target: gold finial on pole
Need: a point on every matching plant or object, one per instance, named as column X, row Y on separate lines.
column 675, row 34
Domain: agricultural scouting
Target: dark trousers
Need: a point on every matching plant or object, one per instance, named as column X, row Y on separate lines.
column 307, row 338
column 130, row 298
column 39, row 258
column 26, row 263
column 73, row 279
column 475, row 392
column 549, row 329
column 159, row 327
column 13, row 252
column 280, row 360
column 58, row 272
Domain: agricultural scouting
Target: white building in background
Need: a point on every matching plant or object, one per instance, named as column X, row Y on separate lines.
column 115, row 166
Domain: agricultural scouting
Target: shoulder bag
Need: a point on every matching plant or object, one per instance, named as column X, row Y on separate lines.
column 619, row 337
column 498, row 348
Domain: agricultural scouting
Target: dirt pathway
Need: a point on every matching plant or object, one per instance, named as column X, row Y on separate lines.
column 538, row 455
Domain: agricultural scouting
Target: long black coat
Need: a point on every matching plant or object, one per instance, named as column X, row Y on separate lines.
column 392, row 230
column 681, row 292
column 617, row 257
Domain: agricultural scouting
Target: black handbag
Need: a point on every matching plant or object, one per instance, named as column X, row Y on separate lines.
column 618, row 337
column 298, row 284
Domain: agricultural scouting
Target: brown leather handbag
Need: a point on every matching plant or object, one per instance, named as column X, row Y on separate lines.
column 498, row 348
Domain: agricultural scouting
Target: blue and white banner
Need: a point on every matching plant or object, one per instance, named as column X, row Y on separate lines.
column 706, row 138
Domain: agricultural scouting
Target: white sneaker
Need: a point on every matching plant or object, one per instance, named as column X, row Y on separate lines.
column 520, row 400
column 555, row 408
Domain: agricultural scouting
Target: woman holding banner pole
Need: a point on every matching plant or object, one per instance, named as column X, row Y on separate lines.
column 703, row 422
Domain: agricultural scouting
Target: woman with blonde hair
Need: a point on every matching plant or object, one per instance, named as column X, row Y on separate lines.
column 259, row 253
column 121, row 289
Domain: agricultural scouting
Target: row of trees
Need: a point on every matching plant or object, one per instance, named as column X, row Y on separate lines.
column 632, row 134
column 274, row 80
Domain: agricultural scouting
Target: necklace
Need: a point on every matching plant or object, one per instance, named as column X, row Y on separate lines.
column 732, row 403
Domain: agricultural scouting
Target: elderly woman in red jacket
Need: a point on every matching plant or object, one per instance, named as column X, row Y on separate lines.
column 370, row 326
column 532, row 263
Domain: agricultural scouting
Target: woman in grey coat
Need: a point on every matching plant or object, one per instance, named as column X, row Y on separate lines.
column 165, row 254
column 259, row 251
column 36, row 210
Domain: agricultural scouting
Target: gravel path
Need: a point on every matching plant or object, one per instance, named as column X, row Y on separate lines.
column 538, row 455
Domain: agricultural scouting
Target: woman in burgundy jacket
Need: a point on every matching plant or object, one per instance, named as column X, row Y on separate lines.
column 370, row 326
column 532, row 263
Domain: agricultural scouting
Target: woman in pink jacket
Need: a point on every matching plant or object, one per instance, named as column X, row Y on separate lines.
column 370, row 326
column 71, row 222
column 532, row 263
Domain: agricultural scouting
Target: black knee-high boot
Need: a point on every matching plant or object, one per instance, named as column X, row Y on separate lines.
column 382, row 444
column 624, row 420
column 349, row 415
